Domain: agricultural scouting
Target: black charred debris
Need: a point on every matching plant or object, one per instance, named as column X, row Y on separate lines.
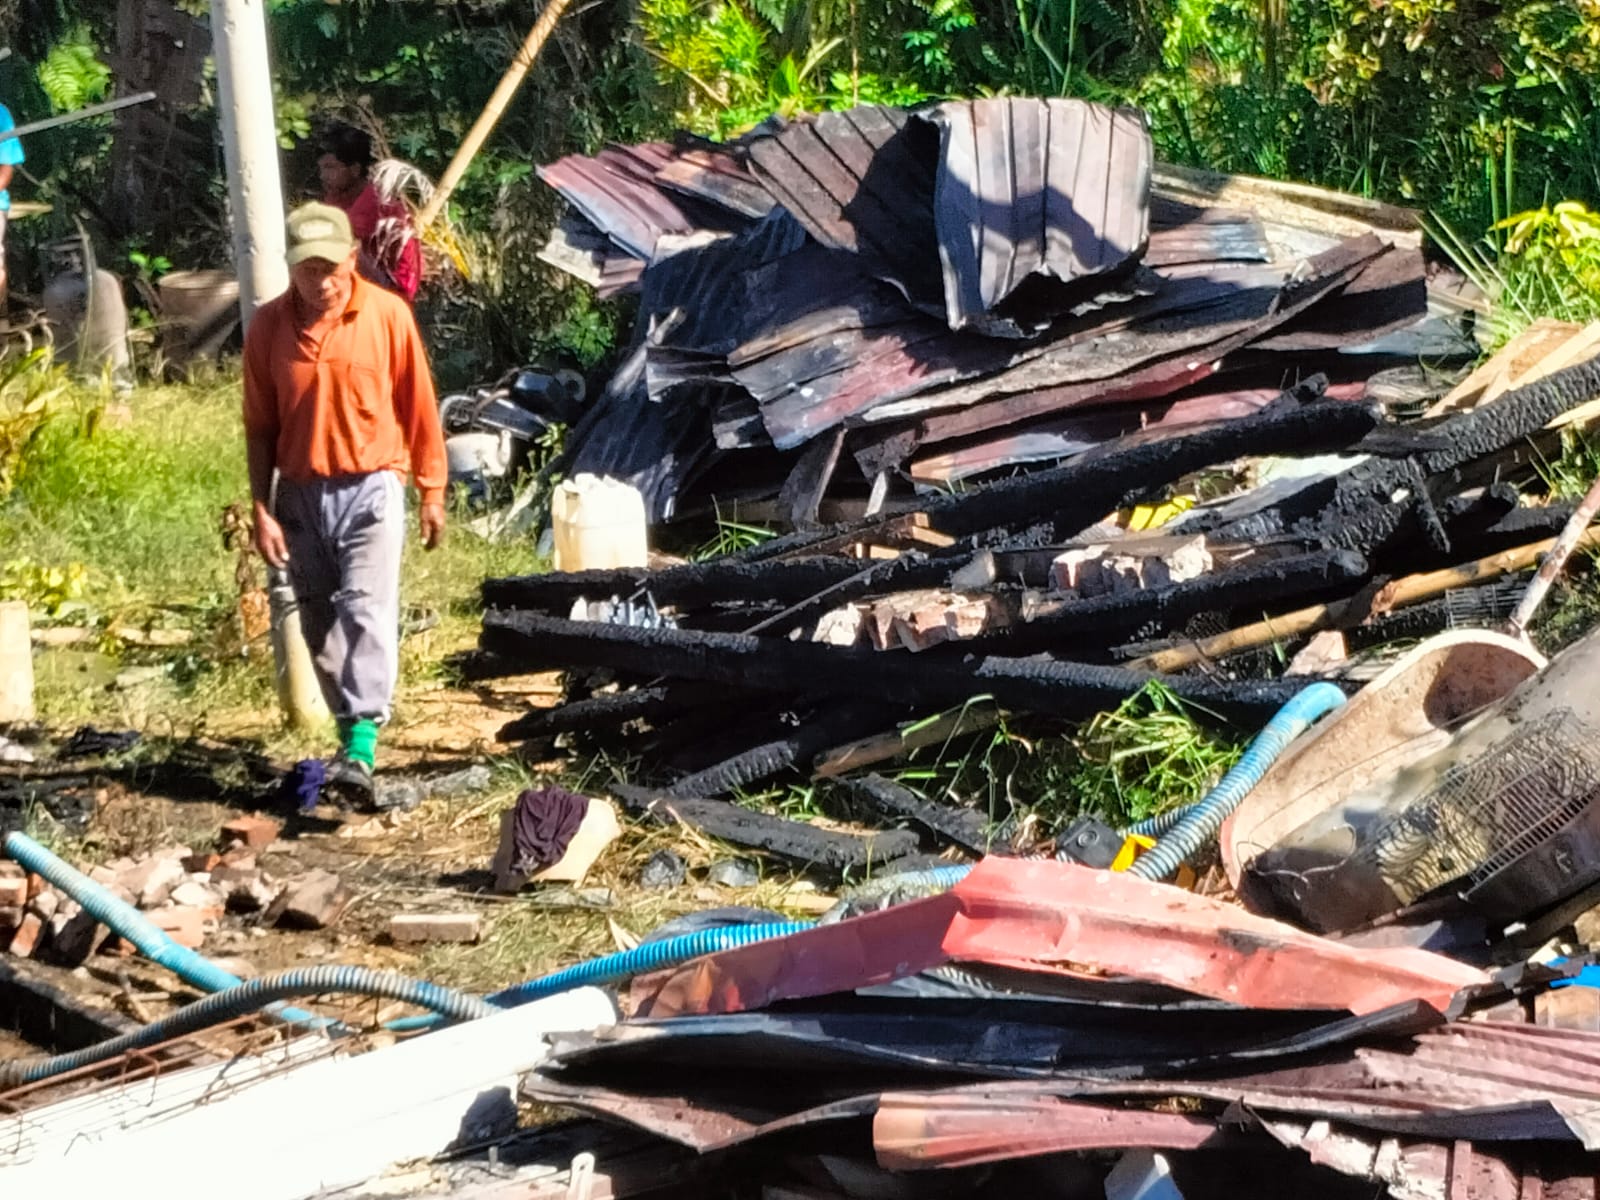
column 1010, row 376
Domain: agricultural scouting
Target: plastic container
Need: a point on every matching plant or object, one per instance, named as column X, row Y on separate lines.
column 298, row 690
column 16, row 663
column 199, row 310
column 599, row 524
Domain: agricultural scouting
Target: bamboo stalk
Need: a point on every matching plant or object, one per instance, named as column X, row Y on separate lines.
column 897, row 743
column 492, row 111
column 1399, row 593
column 1550, row 569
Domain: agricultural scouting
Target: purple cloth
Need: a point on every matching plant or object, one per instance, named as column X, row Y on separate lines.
column 543, row 825
column 304, row 783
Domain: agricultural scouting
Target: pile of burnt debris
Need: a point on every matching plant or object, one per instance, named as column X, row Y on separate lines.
column 948, row 294
column 1153, row 1045
column 1115, row 422
column 808, row 650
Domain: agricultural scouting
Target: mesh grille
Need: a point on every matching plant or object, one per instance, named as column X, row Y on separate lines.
column 1485, row 814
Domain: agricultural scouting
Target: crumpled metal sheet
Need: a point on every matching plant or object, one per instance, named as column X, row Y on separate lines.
column 861, row 181
column 617, row 190
column 963, row 1129
column 1059, row 918
column 1031, row 198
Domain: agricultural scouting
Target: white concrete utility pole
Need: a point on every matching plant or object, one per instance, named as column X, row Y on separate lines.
column 255, row 197
column 250, row 149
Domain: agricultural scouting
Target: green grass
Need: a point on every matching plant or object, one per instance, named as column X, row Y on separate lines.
column 1149, row 754
column 114, row 518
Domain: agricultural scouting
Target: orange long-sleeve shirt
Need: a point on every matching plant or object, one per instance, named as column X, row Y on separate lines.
column 349, row 395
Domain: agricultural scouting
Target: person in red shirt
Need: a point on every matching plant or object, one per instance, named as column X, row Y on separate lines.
column 339, row 408
column 390, row 251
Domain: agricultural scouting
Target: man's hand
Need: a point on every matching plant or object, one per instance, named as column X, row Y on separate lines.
column 432, row 523
column 269, row 540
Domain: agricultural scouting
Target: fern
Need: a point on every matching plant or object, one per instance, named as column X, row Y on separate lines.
column 71, row 76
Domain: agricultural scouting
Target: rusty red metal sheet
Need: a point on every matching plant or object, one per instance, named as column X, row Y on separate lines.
column 920, row 1131
column 718, row 174
column 617, row 190
column 1057, row 917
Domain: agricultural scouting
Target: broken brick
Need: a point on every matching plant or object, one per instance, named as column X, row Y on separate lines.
column 193, row 894
column 10, row 917
column 435, row 927
column 151, row 880
column 45, row 904
column 28, row 935
column 186, row 926
column 314, row 901
column 201, row 864
column 244, row 889
column 255, row 833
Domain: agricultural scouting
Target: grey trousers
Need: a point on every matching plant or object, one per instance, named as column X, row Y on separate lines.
column 345, row 540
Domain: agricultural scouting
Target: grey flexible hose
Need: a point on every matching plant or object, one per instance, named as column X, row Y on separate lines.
column 221, row 1007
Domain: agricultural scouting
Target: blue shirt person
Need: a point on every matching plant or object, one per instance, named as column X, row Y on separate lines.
column 11, row 156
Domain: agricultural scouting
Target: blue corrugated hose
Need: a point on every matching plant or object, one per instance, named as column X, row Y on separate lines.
column 614, row 968
column 1200, row 822
column 130, row 924
column 223, row 1006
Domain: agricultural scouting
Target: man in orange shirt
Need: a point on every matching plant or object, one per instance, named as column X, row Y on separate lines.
column 338, row 408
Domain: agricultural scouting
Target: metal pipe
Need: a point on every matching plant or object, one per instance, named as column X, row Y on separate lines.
column 82, row 114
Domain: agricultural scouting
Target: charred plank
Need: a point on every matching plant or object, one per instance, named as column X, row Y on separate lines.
column 610, row 711
column 813, row 735
column 803, row 844
column 959, row 826
column 1161, row 608
column 772, row 664
column 691, row 586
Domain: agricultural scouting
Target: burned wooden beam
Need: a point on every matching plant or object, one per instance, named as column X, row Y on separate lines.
column 611, row 711
column 773, row 664
column 1121, row 613
column 959, row 826
column 1074, row 496
column 909, row 572
column 691, row 586
column 800, row 843
column 813, row 733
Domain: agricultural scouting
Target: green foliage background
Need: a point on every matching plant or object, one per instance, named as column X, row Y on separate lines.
column 1470, row 109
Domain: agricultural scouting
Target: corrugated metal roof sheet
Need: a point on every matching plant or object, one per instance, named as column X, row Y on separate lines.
column 1055, row 918
column 1033, row 191
column 618, row 191
column 861, row 181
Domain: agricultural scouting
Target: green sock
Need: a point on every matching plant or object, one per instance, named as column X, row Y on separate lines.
column 360, row 740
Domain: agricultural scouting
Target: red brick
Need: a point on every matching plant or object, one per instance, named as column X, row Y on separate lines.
column 186, row 926
column 201, row 864
column 36, row 884
column 26, row 939
column 314, row 901
column 256, row 833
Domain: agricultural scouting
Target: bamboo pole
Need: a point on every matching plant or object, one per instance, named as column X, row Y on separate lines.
column 897, row 743
column 1550, row 569
column 492, row 111
column 1399, row 593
